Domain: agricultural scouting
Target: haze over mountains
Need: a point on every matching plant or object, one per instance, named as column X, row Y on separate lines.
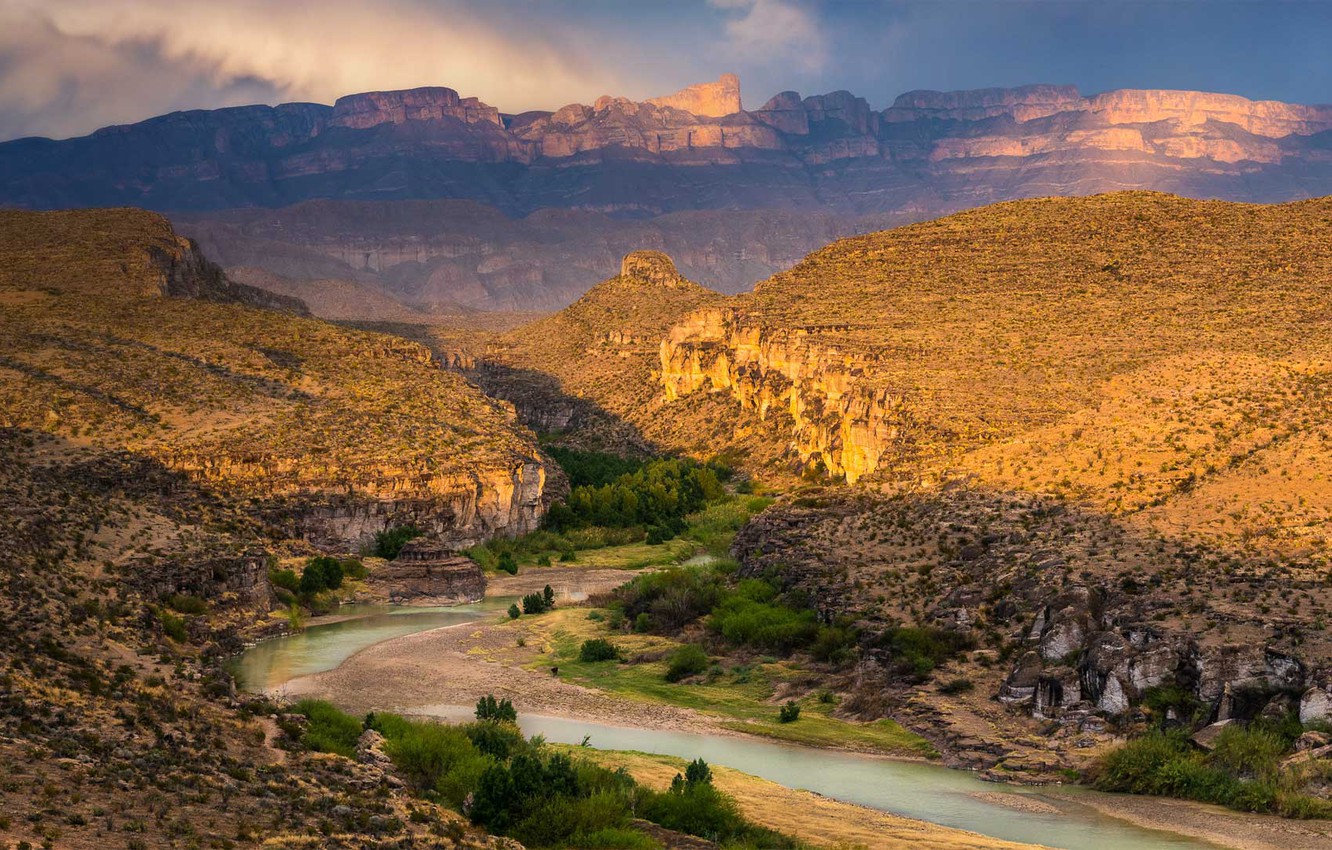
column 639, row 175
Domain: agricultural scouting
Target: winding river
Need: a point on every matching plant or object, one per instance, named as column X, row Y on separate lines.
column 923, row 791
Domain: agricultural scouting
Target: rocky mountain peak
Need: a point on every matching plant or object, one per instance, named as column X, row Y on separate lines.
column 713, row 100
column 653, row 267
column 361, row 111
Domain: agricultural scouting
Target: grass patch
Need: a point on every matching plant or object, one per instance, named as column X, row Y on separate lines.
column 740, row 696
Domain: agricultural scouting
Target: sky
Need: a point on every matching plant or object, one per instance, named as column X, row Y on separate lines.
column 68, row 67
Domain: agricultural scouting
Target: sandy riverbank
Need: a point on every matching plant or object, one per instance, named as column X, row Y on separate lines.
column 1223, row 827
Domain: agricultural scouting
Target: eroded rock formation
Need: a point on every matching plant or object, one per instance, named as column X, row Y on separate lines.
column 428, row 572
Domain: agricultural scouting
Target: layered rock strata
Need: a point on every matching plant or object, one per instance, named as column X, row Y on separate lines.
column 927, row 153
column 427, row 572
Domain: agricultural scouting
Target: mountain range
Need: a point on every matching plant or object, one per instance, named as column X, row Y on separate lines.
column 649, row 174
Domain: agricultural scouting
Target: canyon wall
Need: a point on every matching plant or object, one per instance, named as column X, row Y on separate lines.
column 839, row 424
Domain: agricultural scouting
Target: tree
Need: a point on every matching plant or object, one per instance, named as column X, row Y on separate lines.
column 549, row 596
column 493, row 798
column 514, row 613
column 698, row 773
column 499, row 711
column 320, row 574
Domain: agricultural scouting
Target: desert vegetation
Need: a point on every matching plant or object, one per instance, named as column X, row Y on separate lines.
column 541, row 796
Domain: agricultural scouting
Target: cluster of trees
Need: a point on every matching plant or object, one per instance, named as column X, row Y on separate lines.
column 657, row 496
column 527, row 790
column 502, row 711
column 592, row 469
column 917, row 650
column 1243, row 770
column 320, row 574
column 753, row 613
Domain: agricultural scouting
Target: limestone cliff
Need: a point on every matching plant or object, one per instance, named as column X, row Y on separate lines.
column 901, row 352
column 837, row 422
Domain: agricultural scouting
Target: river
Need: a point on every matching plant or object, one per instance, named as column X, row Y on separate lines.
column 918, row 790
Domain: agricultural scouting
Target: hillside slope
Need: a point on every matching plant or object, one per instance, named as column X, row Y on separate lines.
column 333, row 434
column 1089, row 434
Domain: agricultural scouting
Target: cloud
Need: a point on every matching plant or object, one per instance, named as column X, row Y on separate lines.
column 775, row 32
column 69, row 66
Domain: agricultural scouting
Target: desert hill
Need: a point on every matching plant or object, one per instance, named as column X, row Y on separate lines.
column 588, row 371
column 334, row 433
column 1091, row 433
column 162, row 443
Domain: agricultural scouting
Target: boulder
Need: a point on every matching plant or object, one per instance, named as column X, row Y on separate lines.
column 1206, row 736
column 1316, row 704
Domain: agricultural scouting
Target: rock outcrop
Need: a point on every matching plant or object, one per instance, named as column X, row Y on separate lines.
column 715, row 100
column 839, row 424
column 428, row 572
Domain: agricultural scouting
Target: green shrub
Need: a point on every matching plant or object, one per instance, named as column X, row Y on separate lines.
column 1252, row 753
column 1166, row 698
column 598, row 649
column 688, row 660
column 285, row 579
column 497, row 740
column 835, row 644
column 330, row 730
column 507, row 563
column 186, row 604
column 173, row 626
column 352, row 568
column 536, row 603
column 1242, row 772
column 672, row 597
column 514, row 613
column 427, row 753
column 917, row 650
column 748, row 618
column 498, row 711
column 789, row 713
column 960, row 685
column 320, row 574
column 389, row 543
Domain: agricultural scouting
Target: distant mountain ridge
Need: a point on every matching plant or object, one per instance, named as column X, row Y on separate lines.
column 697, row 149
